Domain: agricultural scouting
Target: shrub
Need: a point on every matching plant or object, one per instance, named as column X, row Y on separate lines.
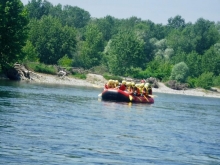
column 205, row 80
column 180, row 72
column 65, row 61
column 216, row 81
column 191, row 82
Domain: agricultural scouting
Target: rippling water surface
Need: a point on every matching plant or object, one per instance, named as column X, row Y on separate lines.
column 51, row 124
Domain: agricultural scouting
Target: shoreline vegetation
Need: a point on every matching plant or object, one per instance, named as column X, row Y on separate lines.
column 98, row 81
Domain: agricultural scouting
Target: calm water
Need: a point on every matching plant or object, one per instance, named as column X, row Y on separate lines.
column 48, row 124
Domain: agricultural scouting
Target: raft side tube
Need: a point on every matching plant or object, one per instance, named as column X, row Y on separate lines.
column 115, row 95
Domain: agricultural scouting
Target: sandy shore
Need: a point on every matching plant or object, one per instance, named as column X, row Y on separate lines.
column 98, row 81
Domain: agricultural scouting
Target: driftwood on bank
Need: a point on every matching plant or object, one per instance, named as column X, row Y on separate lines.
column 20, row 72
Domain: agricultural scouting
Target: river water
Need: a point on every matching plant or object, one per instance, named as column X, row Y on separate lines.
column 54, row 124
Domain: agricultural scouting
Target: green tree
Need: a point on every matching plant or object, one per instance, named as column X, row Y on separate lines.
column 38, row 8
column 180, row 72
column 194, row 62
column 206, row 35
column 159, row 68
column 75, row 16
column 107, row 26
column 182, row 39
column 70, row 16
column 125, row 53
column 176, row 22
column 51, row 39
column 92, row 47
column 56, row 11
column 30, row 52
column 13, row 31
column 211, row 61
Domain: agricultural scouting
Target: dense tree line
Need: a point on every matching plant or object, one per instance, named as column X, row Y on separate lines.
column 69, row 36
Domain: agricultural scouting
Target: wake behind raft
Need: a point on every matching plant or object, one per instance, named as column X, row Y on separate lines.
column 114, row 94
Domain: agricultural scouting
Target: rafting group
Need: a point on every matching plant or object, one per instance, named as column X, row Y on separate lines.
column 138, row 89
column 127, row 91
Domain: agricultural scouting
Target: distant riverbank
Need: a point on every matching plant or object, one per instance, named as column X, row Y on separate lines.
column 98, row 81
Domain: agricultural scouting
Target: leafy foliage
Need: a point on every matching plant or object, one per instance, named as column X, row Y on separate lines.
column 13, row 31
column 191, row 82
column 125, row 52
column 92, row 47
column 65, row 61
column 216, row 81
column 211, row 61
column 38, row 8
column 51, row 39
column 176, row 22
column 158, row 68
column 205, row 80
column 30, row 52
column 179, row 72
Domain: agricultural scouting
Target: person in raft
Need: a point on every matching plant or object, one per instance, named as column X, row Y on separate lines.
column 123, row 86
column 147, row 90
column 136, row 90
column 131, row 87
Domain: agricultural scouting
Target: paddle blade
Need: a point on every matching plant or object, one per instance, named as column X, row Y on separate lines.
column 152, row 96
column 100, row 95
column 130, row 98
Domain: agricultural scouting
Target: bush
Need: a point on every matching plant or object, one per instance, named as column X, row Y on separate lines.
column 141, row 75
column 180, row 72
column 191, row 82
column 65, row 61
column 205, row 80
column 216, row 81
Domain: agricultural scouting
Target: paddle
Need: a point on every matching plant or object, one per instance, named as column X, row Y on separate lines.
column 100, row 95
column 153, row 96
column 146, row 98
column 130, row 97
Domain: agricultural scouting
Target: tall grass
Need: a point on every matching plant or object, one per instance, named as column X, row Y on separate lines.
column 41, row 68
column 108, row 77
column 79, row 75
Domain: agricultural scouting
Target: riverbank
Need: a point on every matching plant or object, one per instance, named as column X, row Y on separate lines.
column 98, row 81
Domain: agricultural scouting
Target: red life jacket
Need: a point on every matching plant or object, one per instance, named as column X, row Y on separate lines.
column 122, row 87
